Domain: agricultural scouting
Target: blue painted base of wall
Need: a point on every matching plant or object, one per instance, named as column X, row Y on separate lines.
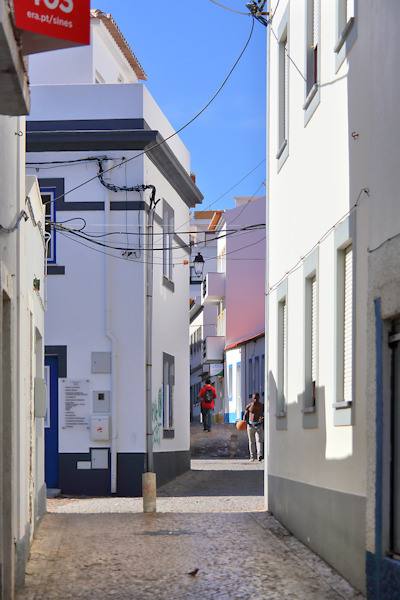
column 383, row 578
column 230, row 417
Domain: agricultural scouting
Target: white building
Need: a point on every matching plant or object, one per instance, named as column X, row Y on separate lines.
column 232, row 307
column 22, row 305
column 333, row 195
column 121, row 393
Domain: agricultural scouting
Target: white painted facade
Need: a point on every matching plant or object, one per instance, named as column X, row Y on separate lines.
column 22, row 301
column 233, row 287
column 322, row 106
column 96, row 294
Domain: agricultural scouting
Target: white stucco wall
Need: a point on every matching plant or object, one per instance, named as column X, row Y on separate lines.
column 314, row 189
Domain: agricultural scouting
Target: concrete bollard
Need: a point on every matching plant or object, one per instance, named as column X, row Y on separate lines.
column 233, row 445
column 149, row 491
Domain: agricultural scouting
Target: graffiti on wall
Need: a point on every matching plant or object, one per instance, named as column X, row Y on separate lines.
column 157, row 418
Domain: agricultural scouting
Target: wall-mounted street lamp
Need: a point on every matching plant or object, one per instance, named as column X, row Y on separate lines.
column 198, row 264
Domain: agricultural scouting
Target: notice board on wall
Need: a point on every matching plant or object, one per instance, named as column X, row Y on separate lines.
column 75, row 403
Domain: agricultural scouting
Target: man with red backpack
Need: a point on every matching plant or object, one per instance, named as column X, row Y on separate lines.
column 207, row 395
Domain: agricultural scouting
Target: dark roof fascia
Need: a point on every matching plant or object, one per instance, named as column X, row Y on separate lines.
column 195, row 311
column 113, row 134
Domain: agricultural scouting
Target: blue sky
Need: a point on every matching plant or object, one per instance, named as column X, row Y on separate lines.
column 187, row 48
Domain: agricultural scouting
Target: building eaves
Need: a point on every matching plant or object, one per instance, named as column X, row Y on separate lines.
column 215, row 219
column 121, row 42
column 248, row 338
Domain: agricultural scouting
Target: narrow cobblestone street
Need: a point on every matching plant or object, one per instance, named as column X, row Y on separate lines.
column 210, row 538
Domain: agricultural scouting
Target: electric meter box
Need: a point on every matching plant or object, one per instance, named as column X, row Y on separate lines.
column 100, row 427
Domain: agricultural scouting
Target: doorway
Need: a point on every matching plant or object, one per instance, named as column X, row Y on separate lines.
column 51, row 422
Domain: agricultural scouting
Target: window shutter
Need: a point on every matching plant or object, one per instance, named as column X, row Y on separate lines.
column 348, row 325
column 284, row 350
column 349, row 10
column 315, row 10
column 286, row 90
column 314, row 329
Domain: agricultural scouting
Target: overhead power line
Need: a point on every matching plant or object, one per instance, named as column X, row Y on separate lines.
column 172, row 134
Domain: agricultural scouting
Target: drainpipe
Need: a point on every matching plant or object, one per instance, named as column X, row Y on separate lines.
column 149, row 488
column 149, row 330
column 113, row 342
column 266, row 374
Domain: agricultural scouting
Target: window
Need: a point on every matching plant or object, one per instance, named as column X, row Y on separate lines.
column 238, row 389
column 283, row 89
column 230, row 382
column 346, row 30
column 311, row 343
column 257, row 375
column 263, row 376
column 168, row 391
column 48, row 196
column 348, row 325
column 344, row 325
column 310, row 270
column 221, row 261
column 168, row 240
column 251, row 380
column 312, row 58
column 282, row 354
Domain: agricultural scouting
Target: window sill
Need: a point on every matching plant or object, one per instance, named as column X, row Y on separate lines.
column 344, row 35
column 281, row 149
column 280, row 415
column 310, row 96
column 309, row 409
column 168, row 284
column 168, row 434
column 344, row 404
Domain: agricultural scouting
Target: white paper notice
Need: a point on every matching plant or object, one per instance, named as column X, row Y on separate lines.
column 75, row 403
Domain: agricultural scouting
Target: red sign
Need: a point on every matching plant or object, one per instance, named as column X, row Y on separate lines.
column 62, row 19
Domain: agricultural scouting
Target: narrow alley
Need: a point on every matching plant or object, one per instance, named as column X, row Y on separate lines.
column 210, row 538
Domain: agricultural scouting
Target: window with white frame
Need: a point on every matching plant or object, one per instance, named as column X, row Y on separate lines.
column 283, row 89
column 168, row 390
column 343, row 414
column 312, row 57
column 48, row 195
column 251, row 379
column 348, row 324
column 282, row 356
column 168, row 240
column 346, row 29
column 311, row 342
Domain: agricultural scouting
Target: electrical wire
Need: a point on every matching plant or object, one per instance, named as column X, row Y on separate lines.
column 22, row 215
column 172, row 134
column 227, row 191
column 369, row 250
column 92, row 238
column 322, row 239
column 231, row 9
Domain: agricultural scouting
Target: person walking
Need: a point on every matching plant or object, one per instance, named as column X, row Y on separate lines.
column 207, row 396
column 255, row 427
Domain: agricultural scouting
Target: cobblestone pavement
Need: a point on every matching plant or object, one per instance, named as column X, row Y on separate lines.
column 210, row 538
